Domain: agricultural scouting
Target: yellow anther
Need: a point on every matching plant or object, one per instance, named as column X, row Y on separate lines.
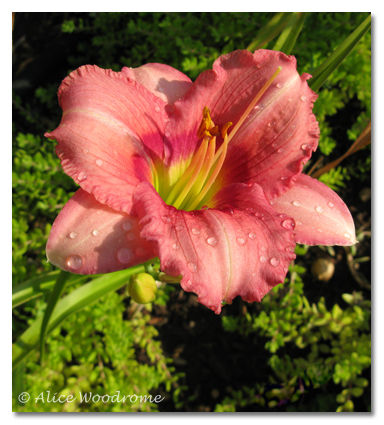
column 206, row 123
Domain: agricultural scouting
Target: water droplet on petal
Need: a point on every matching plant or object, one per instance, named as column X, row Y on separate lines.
column 319, row 209
column 290, row 99
column 288, row 224
column 263, row 259
column 192, row 267
column 263, row 248
column 165, row 218
column 195, row 231
column 271, row 123
column 241, row 241
column 283, row 178
column 130, row 236
column 290, row 249
column 179, row 227
column 274, row 261
column 167, row 134
column 347, row 235
column 320, row 230
column 175, row 246
column 252, row 235
column 331, row 205
column 72, row 235
column 157, row 108
column 85, row 150
column 95, row 232
column 124, row 255
column 281, row 150
column 227, row 209
column 304, row 146
column 74, row 262
column 99, row 162
column 212, row 241
column 127, row 226
column 303, row 98
column 205, row 207
column 81, row 176
column 296, row 203
column 279, row 85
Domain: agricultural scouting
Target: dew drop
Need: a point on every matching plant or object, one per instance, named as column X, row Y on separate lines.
column 281, row 150
column 99, row 162
column 279, row 85
column 288, row 224
column 192, row 267
column 290, row 249
column 85, row 150
column 241, row 241
column 74, row 262
column 81, row 176
column 95, row 232
column 165, row 218
column 347, row 235
column 124, row 255
column 263, row 259
column 167, row 133
column 304, row 146
column 227, row 209
column 271, row 123
column 195, row 231
column 296, row 203
column 179, row 227
column 331, row 205
column 303, row 98
column 319, row 209
column 205, row 207
column 283, row 178
column 274, row 261
column 252, row 235
column 157, row 108
column 290, row 99
column 263, row 248
column 212, row 241
column 175, row 246
column 72, row 235
column 127, row 226
column 282, row 215
column 320, row 230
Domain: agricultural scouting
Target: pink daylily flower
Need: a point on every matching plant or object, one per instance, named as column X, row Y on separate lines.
column 207, row 176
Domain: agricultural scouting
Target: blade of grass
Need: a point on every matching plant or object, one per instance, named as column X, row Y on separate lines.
column 320, row 75
column 269, row 31
column 34, row 288
column 51, row 304
column 288, row 37
column 71, row 303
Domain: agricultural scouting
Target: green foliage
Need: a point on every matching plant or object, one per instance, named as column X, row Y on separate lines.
column 310, row 345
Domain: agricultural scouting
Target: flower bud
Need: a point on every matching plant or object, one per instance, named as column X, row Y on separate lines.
column 142, row 288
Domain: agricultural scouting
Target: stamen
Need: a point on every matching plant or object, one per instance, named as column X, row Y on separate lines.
column 194, row 176
column 215, row 173
column 183, row 180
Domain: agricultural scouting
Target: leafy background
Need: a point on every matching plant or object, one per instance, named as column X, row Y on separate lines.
column 304, row 348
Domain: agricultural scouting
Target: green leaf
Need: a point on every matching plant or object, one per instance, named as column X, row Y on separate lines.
column 52, row 301
column 288, row 37
column 73, row 302
column 34, row 288
column 269, row 31
column 321, row 74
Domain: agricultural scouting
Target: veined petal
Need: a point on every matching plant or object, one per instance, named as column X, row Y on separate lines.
column 162, row 80
column 220, row 253
column 90, row 238
column 321, row 217
column 110, row 134
column 276, row 139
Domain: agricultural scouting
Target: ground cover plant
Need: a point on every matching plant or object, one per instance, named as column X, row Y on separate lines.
column 305, row 347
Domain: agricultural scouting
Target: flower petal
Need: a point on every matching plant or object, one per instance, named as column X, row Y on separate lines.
column 219, row 253
column 90, row 238
column 321, row 216
column 110, row 133
column 162, row 80
column 276, row 139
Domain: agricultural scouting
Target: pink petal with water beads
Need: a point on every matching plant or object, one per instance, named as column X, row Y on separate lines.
column 220, row 253
column 90, row 238
column 321, row 217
